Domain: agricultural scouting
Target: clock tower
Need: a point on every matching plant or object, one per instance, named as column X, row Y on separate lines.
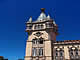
column 41, row 35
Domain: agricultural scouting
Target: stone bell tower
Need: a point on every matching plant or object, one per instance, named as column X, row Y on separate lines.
column 41, row 34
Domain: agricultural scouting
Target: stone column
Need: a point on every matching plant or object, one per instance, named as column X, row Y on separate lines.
column 48, row 54
column 66, row 53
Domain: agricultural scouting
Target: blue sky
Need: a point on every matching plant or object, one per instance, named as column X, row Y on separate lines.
column 14, row 14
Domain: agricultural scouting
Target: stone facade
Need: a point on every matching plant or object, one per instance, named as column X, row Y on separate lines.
column 71, row 49
column 42, row 44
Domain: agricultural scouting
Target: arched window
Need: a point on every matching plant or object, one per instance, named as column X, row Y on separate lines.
column 37, row 41
column 59, row 54
column 40, row 51
column 34, row 52
column 74, row 53
column 34, row 41
column 71, row 52
column 56, row 53
column 40, row 40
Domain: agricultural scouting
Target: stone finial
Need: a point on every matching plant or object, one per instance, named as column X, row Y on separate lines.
column 30, row 19
column 42, row 9
column 48, row 17
column 54, row 22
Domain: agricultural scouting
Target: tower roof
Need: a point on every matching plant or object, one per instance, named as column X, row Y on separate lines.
column 42, row 15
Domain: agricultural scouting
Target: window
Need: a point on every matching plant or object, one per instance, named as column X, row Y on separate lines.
column 34, row 51
column 35, row 27
column 59, row 53
column 39, row 26
column 56, row 54
column 73, row 51
column 41, row 52
column 48, row 24
column 29, row 26
column 40, row 40
column 34, row 41
column 37, row 41
column 76, row 51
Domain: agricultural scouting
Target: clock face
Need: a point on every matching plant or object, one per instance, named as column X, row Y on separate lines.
column 38, row 34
